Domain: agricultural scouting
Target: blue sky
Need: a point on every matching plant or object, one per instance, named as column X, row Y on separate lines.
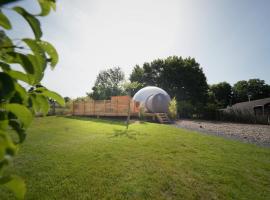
column 230, row 39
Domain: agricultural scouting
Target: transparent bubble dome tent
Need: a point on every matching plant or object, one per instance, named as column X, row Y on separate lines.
column 153, row 99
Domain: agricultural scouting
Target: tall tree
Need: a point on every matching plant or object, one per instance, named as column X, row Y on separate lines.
column 222, row 93
column 130, row 88
column 137, row 74
column 108, row 83
column 253, row 89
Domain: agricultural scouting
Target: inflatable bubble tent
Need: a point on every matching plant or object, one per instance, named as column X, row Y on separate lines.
column 153, row 99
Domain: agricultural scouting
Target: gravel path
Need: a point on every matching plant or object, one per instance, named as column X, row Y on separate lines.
column 251, row 133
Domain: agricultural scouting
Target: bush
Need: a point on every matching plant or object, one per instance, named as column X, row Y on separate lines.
column 185, row 109
column 210, row 111
column 173, row 109
column 242, row 116
column 142, row 113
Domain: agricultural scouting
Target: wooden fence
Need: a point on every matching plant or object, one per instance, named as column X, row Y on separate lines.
column 117, row 106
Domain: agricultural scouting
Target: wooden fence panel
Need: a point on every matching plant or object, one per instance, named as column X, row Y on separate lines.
column 117, row 106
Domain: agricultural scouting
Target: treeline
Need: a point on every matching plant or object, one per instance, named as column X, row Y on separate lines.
column 182, row 78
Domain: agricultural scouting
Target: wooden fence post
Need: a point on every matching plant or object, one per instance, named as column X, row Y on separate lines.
column 94, row 106
column 104, row 107
column 117, row 105
column 72, row 107
column 83, row 107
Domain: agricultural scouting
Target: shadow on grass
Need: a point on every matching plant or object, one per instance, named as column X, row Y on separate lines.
column 120, row 122
column 131, row 134
column 108, row 120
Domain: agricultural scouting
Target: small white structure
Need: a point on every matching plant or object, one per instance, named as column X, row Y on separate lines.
column 154, row 99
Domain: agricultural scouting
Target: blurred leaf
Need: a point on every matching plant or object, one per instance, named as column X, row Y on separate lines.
column 32, row 20
column 52, row 95
column 6, row 86
column 39, row 73
column 4, row 66
column 4, row 2
column 22, row 92
column 21, row 112
column 40, row 103
column 55, row 97
column 16, row 125
column 16, row 74
column 38, row 51
column 38, row 59
column 3, row 122
column 6, row 44
column 20, row 76
column 46, row 6
column 23, row 60
column 4, row 21
column 51, row 51
column 6, row 146
column 15, row 184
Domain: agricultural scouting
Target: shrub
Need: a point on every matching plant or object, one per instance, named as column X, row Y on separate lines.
column 142, row 113
column 185, row 109
column 173, row 109
column 242, row 116
column 210, row 111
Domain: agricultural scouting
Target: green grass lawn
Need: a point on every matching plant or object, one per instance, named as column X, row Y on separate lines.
column 64, row 158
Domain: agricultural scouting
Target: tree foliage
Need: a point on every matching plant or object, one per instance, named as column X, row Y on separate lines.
column 255, row 88
column 108, row 83
column 137, row 75
column 18, row 105
column 130, row 88
column 222, row 94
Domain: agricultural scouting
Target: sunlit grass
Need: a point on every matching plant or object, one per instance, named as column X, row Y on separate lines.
column 66, row 158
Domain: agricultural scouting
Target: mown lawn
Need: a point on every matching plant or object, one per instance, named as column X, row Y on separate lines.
column 66, row 158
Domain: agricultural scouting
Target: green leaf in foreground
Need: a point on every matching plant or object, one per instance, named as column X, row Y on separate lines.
column 6, row 145
column 31, row 19
column 52, row 95
column 15, row 184
column 46, row 6
column 21, row 112
column 18, row 58
column 38, row 58
column 20, row 76
column 51, row 51
column 40, row 104
column 6, row 86
column 4, row 22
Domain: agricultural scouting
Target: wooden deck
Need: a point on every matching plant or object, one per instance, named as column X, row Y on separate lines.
column 118, row 106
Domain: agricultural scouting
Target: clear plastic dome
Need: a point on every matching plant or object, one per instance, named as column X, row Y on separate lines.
column 154, row 99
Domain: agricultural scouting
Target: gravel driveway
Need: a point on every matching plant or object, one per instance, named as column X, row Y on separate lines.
column 252, row 133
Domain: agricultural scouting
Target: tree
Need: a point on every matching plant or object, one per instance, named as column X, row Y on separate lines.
column 18, row 105
column 130, row 88
column 137, row 74
column 67, row 99
column 108, row 83
column 222, row 93
column 253, row 89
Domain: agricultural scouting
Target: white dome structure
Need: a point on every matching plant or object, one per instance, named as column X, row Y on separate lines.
column 154, row 99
